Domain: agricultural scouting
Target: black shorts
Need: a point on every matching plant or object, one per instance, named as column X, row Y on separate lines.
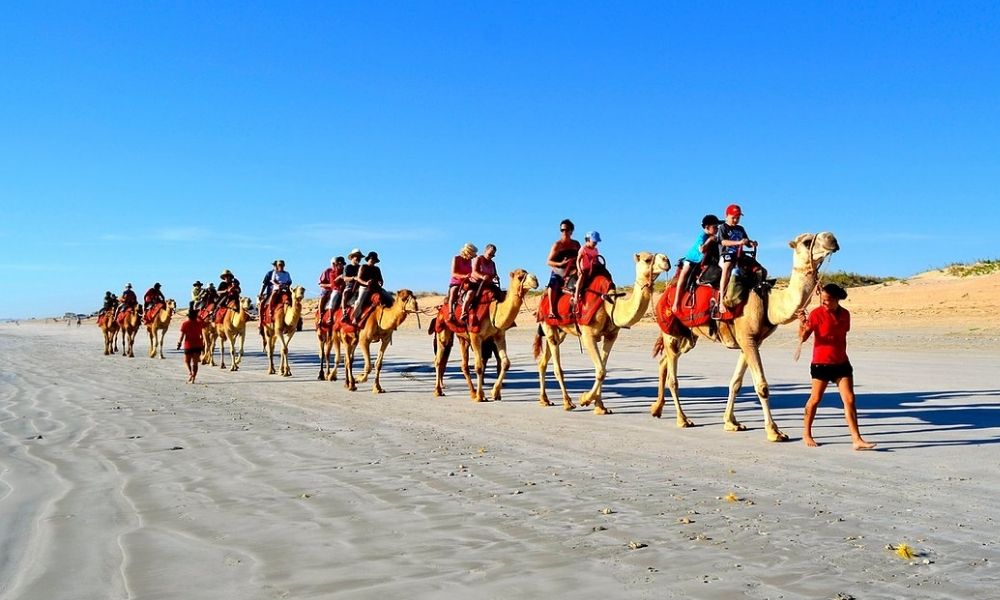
column 556, row 281
column 831, row 373
column 193, row 351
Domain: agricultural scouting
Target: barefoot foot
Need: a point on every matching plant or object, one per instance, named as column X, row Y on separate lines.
column 810, row 442
column 863, row 445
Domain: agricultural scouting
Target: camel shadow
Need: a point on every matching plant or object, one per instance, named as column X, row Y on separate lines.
column 932, row 416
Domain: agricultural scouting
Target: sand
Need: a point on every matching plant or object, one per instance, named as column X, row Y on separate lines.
column 118, row 480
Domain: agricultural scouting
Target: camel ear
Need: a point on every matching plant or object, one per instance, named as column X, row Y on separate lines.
column 512, row 274
column 636, row 257
column 791, row 244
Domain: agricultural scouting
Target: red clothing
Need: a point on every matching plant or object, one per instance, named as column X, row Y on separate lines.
column 462, row 266
column 588, row 258
column 830, row 333
column 483, row 269
column 191, row 330
column 328, row 280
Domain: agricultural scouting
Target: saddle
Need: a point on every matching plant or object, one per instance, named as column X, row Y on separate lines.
column 478, row 313
column 591, row 299
column 123, row 315
column 700, row 292
column 154, row 310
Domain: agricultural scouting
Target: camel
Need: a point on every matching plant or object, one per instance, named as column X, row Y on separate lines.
column 761, row 316
column 282, row 326
column 608, row 321
column 500, row 318
column 157, row 329
column 231, row 329
column 209, row 335
column 326, row 336
column 130, row 326
column 377, row 327
column 109, row 327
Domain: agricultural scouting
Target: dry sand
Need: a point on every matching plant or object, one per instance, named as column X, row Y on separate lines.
column 118, row 480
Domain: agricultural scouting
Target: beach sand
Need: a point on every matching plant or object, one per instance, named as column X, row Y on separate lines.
column 118, row 480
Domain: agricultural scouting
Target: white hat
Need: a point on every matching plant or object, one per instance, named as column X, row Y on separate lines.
column 356, row 252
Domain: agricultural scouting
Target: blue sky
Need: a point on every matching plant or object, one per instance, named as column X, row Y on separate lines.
column 165, row 142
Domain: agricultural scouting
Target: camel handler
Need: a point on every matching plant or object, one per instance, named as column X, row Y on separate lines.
column 461, row 269
column 369, row 280
column 562, row 260
column 193, row 342
column 152, row 297
column 350, row 282
column 127, row 300
column 331, row 281
column 483, row 277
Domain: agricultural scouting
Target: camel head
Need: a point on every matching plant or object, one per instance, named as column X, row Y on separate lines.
column 171, row 306
column 647, row 267
column 408, row 300
column 298, row 293
column 244, row 303
column 811, row 249
column 522, row 280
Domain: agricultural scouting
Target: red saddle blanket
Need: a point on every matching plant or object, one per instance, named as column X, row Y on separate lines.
column 473, row 322
column 103, row 319
column 123, row 315
column 695, row 308
column 583, row 313
column 223, row 313
column 150, row 315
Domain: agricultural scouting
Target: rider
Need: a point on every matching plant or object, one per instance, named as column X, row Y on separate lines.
column 562, row 259
column 350, row 281
column 369, row 280
column 483, row 277
column 704, row 249
column 127, row 300
column 331, row 281
column 229, row 290
column 195, row 291
column 152, row 297
column 110, row 302
column 732, row 237
column 586, row 260
column 281, row 281
column 461, row 269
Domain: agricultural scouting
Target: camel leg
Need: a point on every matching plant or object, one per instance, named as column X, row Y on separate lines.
column 444, row 342
column 543, row 363
column 750, row 358
column 554, row 344
column 668, row 378
column 349, row 381
column 598, row 356
column 463, row 346
column 501, row 342
column 729, row 422
column 269, row 348
column 366, row 354
column 331, row 373
column 286, row 369
column 239, row 358
column 377, row 388
column 324, row 358
column 152, row 342
column 479, row 363
column 222, row 350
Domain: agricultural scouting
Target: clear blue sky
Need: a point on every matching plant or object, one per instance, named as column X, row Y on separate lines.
column 164, row 142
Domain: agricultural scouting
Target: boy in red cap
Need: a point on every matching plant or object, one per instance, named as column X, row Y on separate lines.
column 732, row 237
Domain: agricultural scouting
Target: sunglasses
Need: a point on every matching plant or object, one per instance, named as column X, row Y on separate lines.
column 561, row 229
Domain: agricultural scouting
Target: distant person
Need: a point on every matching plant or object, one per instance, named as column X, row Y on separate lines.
column 281, row 281
column 195, row 291
column 127, row 300
column 265, row 287
column 830, row 323
column 705, row 248
column 562, row 260
column 732, row 238
column 152, row 297
column 193, row 343
column 351, row 270
column 229, row 290
column 331, row 281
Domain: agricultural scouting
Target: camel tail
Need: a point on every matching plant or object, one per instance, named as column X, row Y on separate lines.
column 658, row 346
column 536, row 346
column 432, row 327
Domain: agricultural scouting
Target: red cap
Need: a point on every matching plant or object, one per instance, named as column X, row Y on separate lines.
column 733, row 209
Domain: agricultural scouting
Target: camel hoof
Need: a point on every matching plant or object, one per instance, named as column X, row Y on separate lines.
column 271, row 371
column 585, row 401
column 777, row 436
column 684, row 422
column 378, row 390
column 600, row 410
column 568, row 406
column 734, row 426
column 321, row 375
column 544, row 402
column 438, row 393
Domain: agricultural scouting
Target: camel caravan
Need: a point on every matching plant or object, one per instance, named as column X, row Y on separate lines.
column 717, row 292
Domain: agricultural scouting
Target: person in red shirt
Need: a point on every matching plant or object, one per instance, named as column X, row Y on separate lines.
column 483, row 276
column 193, row 345
column 830, row 323
column 331, row 281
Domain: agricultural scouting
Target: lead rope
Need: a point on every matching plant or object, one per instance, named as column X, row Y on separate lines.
column 804, row 309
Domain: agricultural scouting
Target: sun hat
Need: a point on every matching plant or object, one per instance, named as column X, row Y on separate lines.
column 156, row 285
column 734, row 210
column 128, row 286
column 710, row 220
column 196, row 284
column 594, row 236
column 373, row 256
column 356, row 252
column 226, row 272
